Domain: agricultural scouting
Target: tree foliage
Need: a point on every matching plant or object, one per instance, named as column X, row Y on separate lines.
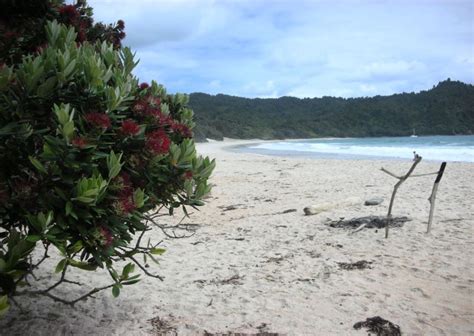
column 87, row 155
column 444, row 110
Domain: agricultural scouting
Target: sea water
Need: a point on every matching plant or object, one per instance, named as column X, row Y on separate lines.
column 436, row 148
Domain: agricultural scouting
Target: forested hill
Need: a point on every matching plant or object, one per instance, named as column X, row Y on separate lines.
column 447, row 108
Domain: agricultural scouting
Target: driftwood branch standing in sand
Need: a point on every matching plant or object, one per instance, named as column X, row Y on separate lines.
column 433, row 195
column 401, row 179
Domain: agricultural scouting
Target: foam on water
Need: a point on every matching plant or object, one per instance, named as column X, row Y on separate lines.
column 439, row 148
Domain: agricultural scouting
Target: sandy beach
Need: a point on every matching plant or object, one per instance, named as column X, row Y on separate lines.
column 257, row 264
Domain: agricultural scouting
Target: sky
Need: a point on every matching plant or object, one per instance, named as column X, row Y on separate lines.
column 274, row 48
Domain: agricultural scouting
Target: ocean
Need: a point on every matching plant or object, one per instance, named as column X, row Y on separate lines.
column 434, row 148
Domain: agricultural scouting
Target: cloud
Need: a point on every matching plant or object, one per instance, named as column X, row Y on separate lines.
column 300, row 48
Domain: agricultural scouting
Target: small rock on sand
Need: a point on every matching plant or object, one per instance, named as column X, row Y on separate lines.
column 315, row 209
column 374, row 201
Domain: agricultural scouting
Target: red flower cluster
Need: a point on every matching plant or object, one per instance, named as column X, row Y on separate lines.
column 144, row 86
column 71, row 16
column 10, row 35
column 188, row 175
column 69, row 12
column 124, row 205
column 182, row 130
column 79, row 142
column 151, row 106
column 158, row 142
column 163, row 120
column 120, row 24
column 130, row 128
column 98, row 119
column 107, row 236
column 125, row 185
column 140, row 107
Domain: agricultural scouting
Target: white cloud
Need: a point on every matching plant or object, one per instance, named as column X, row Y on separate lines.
column 301, row 48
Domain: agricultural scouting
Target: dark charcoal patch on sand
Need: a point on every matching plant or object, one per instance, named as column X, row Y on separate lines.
column 361, row 264
column 377, row 222
column 379, row 326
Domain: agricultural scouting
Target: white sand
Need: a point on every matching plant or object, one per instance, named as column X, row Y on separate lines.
column 284, row 266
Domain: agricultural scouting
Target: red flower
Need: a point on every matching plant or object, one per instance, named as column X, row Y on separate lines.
column 124, row 205
column 98, row 119
column 182, row 130
column 154, row 101
column 158, row 142
column 188, row 175
column 144, row 86
column 122, row 35
column 129, row 127
column 127, row 205
column 69, row 12
column 107, row 236
column 81, row 36
column 120, row 24
column 79, row 142
column 140, row 107
column 125, row 185
column 10, row 35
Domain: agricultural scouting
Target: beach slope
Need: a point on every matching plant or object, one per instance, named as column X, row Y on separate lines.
column 256, row 263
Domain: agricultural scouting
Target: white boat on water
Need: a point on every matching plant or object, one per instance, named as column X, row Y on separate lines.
column 414, row 134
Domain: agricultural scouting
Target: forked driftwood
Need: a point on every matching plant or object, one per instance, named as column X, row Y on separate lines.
column 433, row 195
column 401, row 179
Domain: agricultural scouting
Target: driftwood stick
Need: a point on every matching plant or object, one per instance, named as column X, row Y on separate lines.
column 390, row 173
column 401, row 179
column 432, row 198
column 420, row 175
column 359, row 228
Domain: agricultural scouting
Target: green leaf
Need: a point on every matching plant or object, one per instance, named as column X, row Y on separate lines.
column 157, row 251
column 38, row 165
column 60, row 266
column 139, row 198
column 62, row 113
column 76, row 247
column 47, row 88
column 129, row 268
column 35, row 223
column 83, row 265
column 69, row 69
column 113, row 164
column 84, row 199
column 115, row 291
column 130, row 282
column 68, row 208
column 114, row 274
column 33, row 238
column 68, row 130
column 4, row 306
column 3, row 265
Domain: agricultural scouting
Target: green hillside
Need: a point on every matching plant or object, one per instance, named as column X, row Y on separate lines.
column 448, row 108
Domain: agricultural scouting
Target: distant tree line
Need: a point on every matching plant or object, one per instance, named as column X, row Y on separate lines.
column 446, row 109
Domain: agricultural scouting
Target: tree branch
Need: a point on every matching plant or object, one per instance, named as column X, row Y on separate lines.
column 390, row 173
column 401, row 179
column 144, row 269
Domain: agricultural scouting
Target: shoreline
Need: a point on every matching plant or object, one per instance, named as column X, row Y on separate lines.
column 244, row 146
column 256, row 263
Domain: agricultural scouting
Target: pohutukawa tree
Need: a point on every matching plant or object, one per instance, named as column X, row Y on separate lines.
column 87, row 155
